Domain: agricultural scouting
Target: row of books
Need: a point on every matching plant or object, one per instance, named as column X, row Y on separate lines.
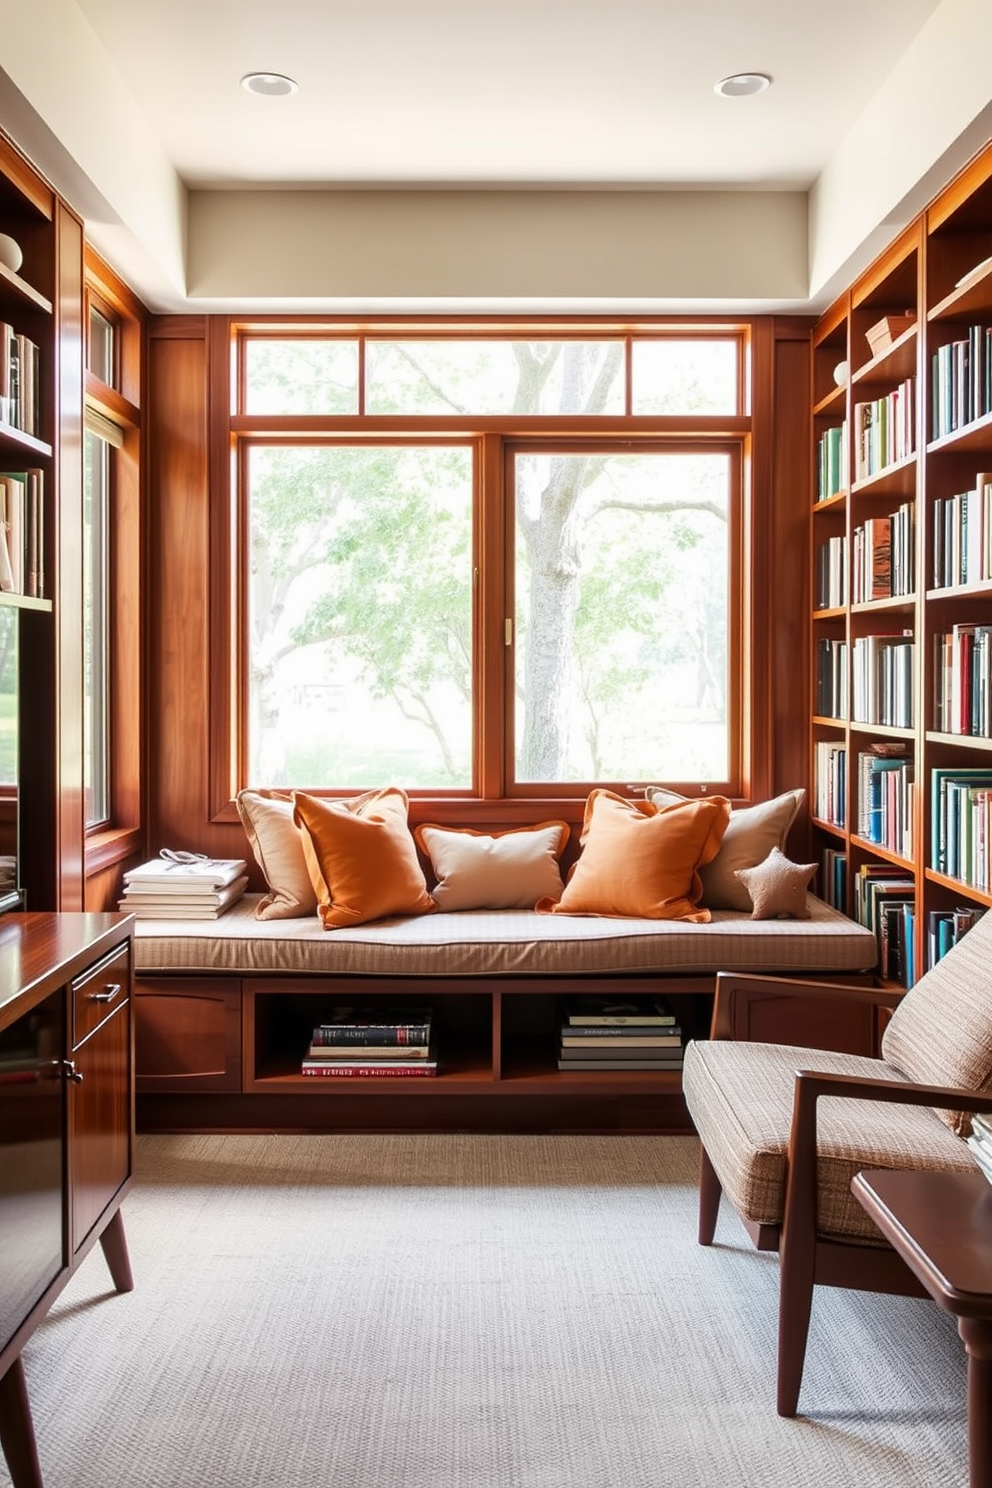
column 980, row 1142
column 20, row 382
column 882, row 681
column 961, row 381
column 962, row 681
column 831, row 678
column 945, row 927
column 608, row 1034
column 830, row 784
column 833, row 877
column 884, row 430
column 379, row 1043
column 830, row 579
column 831, row 462
column 882, row 563
column 962, row 535
column 885, row 902
column 885, row 801
column 961, row 824
column 183, row 886
column 22, row 532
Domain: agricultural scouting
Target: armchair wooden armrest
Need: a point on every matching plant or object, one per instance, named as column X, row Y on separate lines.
column 800, row 1195
column 736, row 994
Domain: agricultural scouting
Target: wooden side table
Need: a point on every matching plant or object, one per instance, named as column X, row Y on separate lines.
column 941, row 1225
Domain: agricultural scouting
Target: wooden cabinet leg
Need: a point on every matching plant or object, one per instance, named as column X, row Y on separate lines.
column 114, row 1244
column 17, row 1430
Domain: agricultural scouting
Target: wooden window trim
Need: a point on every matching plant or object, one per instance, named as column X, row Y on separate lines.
column 748, row 432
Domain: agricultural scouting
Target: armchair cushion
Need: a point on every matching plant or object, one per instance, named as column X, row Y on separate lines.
column 740, row 1097
column 941, row 1032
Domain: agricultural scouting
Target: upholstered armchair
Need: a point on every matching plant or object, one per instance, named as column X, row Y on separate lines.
column 784, row 1129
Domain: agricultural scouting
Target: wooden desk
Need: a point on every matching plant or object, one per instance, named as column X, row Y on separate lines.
column 941, row 1225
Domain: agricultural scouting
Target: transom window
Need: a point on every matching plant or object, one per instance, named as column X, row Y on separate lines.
column 490, row 564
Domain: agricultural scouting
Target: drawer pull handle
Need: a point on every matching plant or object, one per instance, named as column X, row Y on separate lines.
column 108, row 994
column 71, row 1072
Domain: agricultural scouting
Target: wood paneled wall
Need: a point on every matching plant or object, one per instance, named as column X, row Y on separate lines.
column 186, row 474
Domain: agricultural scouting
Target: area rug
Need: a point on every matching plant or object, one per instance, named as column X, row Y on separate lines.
column 467, row 1311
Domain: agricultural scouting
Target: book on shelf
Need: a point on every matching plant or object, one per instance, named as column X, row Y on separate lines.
column 187, row 873
column 980, row 1147
column 210, row 904
column 573, row 1055
column 347, row 1024
column 369, row 1069
column 959, row 802
column 606, row 1063
column 592, row 1011
column 620, row 1038
column 367, row 1052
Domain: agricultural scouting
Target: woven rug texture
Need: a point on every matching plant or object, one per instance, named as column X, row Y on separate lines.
column 463, row 1311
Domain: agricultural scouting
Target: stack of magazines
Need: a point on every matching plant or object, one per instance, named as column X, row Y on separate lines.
column 183, row 886
column 980, row 1142
column 604, row 1033
column 381, row 1042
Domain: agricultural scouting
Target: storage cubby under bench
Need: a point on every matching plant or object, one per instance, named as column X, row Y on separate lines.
column 224, row 1010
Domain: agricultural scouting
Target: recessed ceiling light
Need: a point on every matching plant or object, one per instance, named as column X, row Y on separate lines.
column 269, row 84
column 742, row 84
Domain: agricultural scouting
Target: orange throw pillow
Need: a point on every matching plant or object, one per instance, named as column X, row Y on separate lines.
column 642, row 861
column 361, row 857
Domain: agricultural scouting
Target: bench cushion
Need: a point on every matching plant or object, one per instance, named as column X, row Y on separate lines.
column 505, row 943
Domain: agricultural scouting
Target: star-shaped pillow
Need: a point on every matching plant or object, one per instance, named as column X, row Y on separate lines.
column 777, row 887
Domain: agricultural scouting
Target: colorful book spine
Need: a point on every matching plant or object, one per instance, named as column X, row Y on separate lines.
column 324, row 1070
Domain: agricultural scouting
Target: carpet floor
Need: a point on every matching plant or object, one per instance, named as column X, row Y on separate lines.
column 460, row 1311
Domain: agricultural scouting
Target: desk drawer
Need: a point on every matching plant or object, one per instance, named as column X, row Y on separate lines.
column 99, row 992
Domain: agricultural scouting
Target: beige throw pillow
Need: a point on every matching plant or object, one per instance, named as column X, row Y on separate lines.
column 751, row 834
column 275, row 841
column 508, row 870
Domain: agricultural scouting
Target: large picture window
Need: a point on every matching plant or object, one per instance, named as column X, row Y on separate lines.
column 490, row 565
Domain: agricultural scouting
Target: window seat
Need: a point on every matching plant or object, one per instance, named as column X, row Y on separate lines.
column 224, row 1010
column 505, row 943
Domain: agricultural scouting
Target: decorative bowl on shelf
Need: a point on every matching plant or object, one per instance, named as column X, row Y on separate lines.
column 10, row 253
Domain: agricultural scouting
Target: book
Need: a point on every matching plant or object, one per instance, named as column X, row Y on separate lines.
column 374, row 1025
column 326, row 1069
column 623, row 1056
column 982, row 1155
column 619, row 1064
column 207, row 872
column 182, row 906
column 340, row 1052
column 622, row 1039
column 604, row 1012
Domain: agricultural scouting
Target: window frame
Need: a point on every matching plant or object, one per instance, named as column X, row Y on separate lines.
column 109, row 842
column 749, row 727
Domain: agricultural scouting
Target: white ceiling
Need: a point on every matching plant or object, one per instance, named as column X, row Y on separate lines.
column 503, row 92
column 495, row 154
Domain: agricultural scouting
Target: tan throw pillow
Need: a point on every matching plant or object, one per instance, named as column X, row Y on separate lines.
column 941, row 1032
column 777, row 887
column 641, row 861
column 277, row 846
column 751, row 834
column 361, row 858
column 507, row 870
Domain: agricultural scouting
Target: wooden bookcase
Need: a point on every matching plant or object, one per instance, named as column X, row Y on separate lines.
column 901, row 685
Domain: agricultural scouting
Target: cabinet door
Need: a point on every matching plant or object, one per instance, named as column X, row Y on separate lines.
column 100, row 1121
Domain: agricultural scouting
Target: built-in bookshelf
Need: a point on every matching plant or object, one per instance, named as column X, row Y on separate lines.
column 29, row 369
column 901, row 734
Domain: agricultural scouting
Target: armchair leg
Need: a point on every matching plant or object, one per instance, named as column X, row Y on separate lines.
column 709, row 1198
column 798, row 1270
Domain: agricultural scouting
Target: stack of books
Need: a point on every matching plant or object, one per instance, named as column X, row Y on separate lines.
column 372, row 1042
column 201, row 889
column 603, row 1033
column 980, row 1142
